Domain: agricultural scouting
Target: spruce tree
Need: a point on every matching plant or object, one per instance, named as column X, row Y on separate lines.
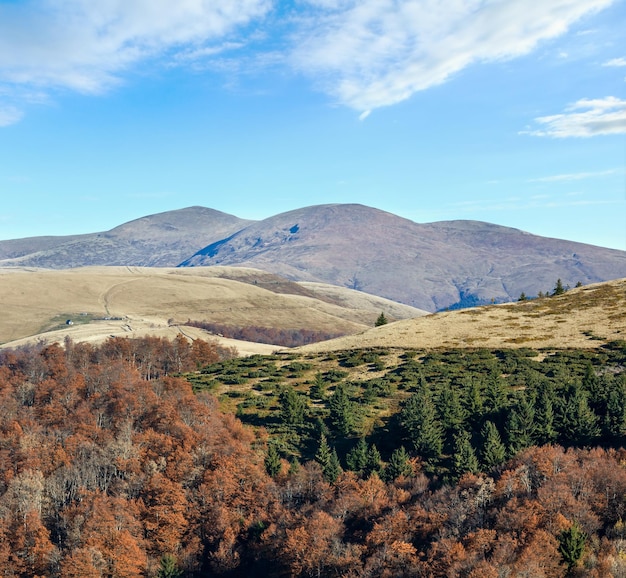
column 168, row 567
column 521, row 425
column 322, row 456
column 333, row 470
column 343, row 416
column 558, row 288
column 495, row 396
column 398, row 465
column 544, row 416
column 356, row 460
column 464, row 459
column 493, row 452
column 614, row 422
column 328, row 460
column 591, row 383
column 421, row 424
column 580, row 425
column 293, row 406
column 473, row 402
column 373, row 461
column 451, row 414
column 572, row 545
column 381, row 320
column 272, row 461
column 318, row 389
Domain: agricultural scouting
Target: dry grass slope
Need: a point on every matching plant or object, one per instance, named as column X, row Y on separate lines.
column 585, row 317
column 134, row 301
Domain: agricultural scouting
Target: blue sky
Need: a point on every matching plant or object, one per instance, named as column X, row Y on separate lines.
column 506, row 111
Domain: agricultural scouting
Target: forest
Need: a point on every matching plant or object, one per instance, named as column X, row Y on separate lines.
column 145, row 457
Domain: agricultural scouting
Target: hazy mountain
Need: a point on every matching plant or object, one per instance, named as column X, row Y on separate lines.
column 160, row 240
column 430, row 266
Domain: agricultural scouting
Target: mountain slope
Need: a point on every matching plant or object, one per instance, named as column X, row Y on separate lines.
column 160, row 240
column 103, row 301
column 428, row 266
column 585, row 317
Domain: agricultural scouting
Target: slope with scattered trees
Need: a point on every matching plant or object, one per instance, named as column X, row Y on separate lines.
column 386, row 463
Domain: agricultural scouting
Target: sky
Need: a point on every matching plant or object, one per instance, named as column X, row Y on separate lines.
column 506, row 111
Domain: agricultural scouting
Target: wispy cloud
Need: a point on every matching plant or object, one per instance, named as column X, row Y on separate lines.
column 575, row 176
column 585, row 118
column 364, row 53
column 9, row 115
column 87, row 46
column 615, row 62
column 374, row 53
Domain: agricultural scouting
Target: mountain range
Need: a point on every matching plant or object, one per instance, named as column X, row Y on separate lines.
column 431, row 266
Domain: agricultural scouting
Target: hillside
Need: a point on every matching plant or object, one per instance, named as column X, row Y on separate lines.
column 430, row 266
column 160, row 240
column 584, row 317
column 104, row 301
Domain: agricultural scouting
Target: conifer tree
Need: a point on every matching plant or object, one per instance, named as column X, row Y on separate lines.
column 333, row 470
column 614, row 422
column 398, row 465
column 356, row 460
column 473, row 402
column 168, row 567
column 421, row 424
column 381, row 320
column 495, row 396
column 558, row 288
column 493, row 452
column 272, row 461
column 591, row 383
column 451, row 414
column 373, row 461
column 544, row 416
column 318, row 389
column 464, row 459
column 521, row 425
column 322, row 456
column 572, row 545
column 294, row 466
column 293, row 406
column 343, row 417
column 328, row 460
column 579, row 423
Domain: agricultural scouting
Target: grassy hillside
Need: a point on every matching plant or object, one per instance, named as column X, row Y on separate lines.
column 584, row 317
column 104, row 301
column 556, row 350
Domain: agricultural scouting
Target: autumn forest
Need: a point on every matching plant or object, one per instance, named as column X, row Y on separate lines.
column 148, row 457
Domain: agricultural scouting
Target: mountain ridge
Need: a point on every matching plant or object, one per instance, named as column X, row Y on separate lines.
column 430, row 266
column 158, row 240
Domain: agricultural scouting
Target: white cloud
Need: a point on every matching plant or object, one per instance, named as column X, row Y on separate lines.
column 585, row 118
column 365, row 53
column 85, row 45
column 10, row 115
column 615, row 62
column 373, row 53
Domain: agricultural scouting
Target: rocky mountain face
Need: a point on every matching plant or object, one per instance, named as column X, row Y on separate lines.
column 431, row 266
column 161, row 240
